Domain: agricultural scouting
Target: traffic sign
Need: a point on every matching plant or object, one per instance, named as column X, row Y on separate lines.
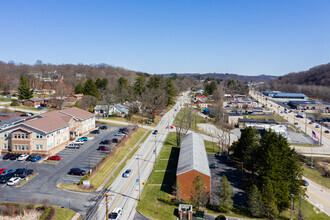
column 143, row 183
column 137, row 180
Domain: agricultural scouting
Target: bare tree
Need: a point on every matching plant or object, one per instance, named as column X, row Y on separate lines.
column 109, row 98
column 153, row 101
column 33, row 201
column 21, row 205
column 45, row 202
column 183, row 123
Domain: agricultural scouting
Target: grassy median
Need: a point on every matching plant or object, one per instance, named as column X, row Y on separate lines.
column 316, row 177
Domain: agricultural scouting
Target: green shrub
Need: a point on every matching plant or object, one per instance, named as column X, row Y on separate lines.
column 82, row 179
column 45, row 214
column 14, row 103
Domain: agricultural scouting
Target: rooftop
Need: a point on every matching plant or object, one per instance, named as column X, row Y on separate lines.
column 193, row 155
column 77, row 113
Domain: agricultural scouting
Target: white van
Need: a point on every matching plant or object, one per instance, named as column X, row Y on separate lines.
column 72, row 145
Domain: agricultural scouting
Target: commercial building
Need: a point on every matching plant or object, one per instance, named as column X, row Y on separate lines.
column 192, row 162
column 309, row 105
column 288, row 96
column 47, row 131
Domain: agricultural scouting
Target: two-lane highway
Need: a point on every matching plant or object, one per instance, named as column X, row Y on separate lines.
column 126, row 190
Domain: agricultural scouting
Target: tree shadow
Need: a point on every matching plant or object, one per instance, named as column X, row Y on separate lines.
column 170, row 173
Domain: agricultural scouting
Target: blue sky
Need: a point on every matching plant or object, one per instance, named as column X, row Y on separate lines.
column 248, row 37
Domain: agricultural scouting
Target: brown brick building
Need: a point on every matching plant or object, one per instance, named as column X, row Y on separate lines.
column 192, row 162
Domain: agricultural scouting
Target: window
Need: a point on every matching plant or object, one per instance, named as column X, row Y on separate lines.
column 26, row 147
column 40, row 146
column 19, row 147
column 6, row 134
column 15, row 147
column 18, row 135
column 4, row 146
column 26, row 136
column 37, row 147
column 15, row 135
column 23, row 136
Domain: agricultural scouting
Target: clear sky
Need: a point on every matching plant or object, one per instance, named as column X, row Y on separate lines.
column 247, row 37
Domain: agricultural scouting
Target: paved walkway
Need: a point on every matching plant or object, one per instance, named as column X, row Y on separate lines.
column 76, row 216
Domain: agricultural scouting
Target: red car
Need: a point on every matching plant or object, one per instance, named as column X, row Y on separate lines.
column 55, row 157
column 1, row 170
column 103, row 148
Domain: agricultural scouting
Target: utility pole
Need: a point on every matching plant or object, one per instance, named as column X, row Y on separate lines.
column 155, row 149
column 312, row 156
column 321, row 132
column 305, row 123
column 106, row 204
column 138, row 158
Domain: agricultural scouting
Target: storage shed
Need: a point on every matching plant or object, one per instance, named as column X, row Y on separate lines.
column 192, row 162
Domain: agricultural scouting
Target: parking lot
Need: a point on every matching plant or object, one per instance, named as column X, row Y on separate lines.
column 234, row 177
column 86, row 157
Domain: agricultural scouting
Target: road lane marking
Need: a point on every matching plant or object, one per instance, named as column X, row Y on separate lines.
column 318, row 198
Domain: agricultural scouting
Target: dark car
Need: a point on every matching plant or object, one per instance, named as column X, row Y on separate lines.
column 96, row 132
column 106, row 141
column 127, row 173
column 115, row 140
column 218, row 154
column 326, row 131
column 224, row 154
column 103, row 148
column 104, row 127
column 29, row 158
column 305, row 183
column 36, row 158
column 77, row 171
column 8, row 171
column 6, row 157
column 20, row 172
column 29, row 172
column 155, row 132
column 124, row 129
column 5, row 178
column 214, row 166
column 14, row 156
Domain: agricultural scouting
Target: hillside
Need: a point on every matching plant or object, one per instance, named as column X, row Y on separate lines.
column 227, row 76
column 319, row 75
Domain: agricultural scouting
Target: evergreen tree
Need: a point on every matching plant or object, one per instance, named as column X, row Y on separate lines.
column 123, row 89
column 154, row 82
column 198, row 193
column 139, row 85
column 122, row 83
column 170, row 91
column 255, row 202
column 226, row 201
column 79, row 89
column 101, row 83
column 246, row 148
column 210, row 87
column 24, row 91
column 268, row 199
column 90, row 88
column 278, row 162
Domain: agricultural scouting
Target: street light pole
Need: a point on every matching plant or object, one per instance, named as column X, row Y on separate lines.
column 155, row 149
column 305, row 123
column 138, row 158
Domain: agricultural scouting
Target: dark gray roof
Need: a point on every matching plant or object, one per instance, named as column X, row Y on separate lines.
column 289, row 95
column 193, row 155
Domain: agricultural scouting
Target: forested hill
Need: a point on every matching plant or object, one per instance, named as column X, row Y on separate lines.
column 319, row 75
column 227, row 76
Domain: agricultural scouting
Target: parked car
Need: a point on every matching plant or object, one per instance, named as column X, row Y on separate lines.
column 7, row 171
column 106, row 141
column 115, row 213
column 305, row 183
column 36, row 158
column 170, row 127
column 224, row 154
column 124, row 129
column 13, row 181
column 115, row 140
column 214, row 166
column 155, row 132
column 96, row 132
column 2, row 170
column 54, row 157
column 120, row 134
column 310, row 123
column 74, row 146
column 22, row 157
column 317, row 126
column 296, row 123
column 127, row 173
column 5, row 178
column 79, row 142
column 104, row 127
column 218, row 154
column 29, row 158
column 14, row 156
column 6, row 157
column 77, row 171
column 40, row 107
column 326, row 131
column 103, row 148
column 20, row 172
column 29, row 172
column 83, row 138
column 30, row 114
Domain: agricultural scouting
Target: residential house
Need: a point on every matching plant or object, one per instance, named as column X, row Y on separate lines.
column 113, row 110
column 36, row 102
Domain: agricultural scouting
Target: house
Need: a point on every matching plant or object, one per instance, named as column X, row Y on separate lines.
column 42, row 133
column 192, row 162
column 309, row 105
column 73, row 98
column 34, row 102
column 232, row 118
column 203, row 105
column 114, row 110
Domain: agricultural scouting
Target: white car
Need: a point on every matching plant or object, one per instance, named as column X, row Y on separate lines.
column 13, row 181
column 81, row 142
column 22, row 157
column 120, row 134
column 115, row 213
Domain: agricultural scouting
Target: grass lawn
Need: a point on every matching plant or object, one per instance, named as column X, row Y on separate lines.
column 23, row 107
column 74, row 187
column 211, row 147
column 316, row 177
column 136, row 119
column 63, row 213
column 27, row 180
column 5, row 99
column 276, row 117
column 196, row 118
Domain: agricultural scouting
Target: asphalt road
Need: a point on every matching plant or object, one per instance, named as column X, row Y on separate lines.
column 45, row 184
column 126, row 190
